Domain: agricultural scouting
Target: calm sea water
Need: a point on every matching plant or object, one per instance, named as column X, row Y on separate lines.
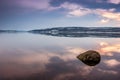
column 27, row 56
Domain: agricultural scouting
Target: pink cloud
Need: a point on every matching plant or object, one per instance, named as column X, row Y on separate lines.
column 109, row 14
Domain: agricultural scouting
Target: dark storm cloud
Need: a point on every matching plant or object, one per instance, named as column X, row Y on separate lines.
column 93, row 4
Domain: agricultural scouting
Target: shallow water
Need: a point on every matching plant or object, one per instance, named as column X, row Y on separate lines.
column 27, row 56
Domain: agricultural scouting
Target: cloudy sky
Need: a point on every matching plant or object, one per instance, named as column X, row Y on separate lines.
column 35, row 14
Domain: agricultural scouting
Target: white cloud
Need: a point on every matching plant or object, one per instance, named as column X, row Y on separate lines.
column 103, row 21
column 114, row 1
column 69, row 6
column 77, row 10
column 74, row 9
column 71, row 9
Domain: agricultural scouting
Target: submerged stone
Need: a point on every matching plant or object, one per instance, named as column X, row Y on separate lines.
column 90, row 57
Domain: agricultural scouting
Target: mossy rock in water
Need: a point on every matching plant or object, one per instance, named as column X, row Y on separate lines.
column 90, row 57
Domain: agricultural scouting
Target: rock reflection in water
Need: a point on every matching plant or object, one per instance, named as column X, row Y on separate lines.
column 90, row 57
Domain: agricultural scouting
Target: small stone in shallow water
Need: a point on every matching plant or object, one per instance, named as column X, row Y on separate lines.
column 90, row 57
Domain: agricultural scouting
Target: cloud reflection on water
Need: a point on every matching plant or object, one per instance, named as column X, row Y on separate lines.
column 58, row 62
column 109, row 49
column 112, row 62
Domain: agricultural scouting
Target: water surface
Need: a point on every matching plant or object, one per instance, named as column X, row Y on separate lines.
column 27, row 56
